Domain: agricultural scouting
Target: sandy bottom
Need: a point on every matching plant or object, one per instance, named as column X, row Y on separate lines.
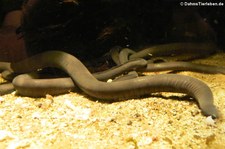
column 74, row 121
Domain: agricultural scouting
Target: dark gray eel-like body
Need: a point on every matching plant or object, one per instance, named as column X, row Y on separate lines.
column 31, row 85
column 39, row 87
column 120, row 90
column 190, row 50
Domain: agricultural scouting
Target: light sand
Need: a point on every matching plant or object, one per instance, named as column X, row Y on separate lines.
column 74, row 121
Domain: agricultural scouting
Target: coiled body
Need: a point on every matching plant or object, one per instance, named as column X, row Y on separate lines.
column 116, row 91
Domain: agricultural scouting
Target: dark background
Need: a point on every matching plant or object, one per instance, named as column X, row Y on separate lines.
column 90, row 28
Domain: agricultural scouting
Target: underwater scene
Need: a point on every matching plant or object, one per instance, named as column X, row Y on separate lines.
column 132, row 74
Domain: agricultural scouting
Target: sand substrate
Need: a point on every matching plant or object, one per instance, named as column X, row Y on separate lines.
column 75, row 120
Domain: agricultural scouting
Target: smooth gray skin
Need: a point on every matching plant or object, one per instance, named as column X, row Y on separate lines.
column 121, row 56
column 6, row 88
column 41, row 87
column 28, row 84
column 183, row 66
column 120, row 90
column 31, row 85
column 194, row 50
